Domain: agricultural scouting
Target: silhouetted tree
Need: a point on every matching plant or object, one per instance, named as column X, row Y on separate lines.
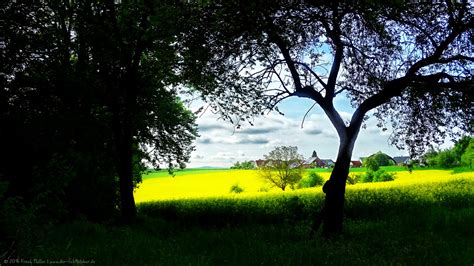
column 92, row 88
column 410, row 63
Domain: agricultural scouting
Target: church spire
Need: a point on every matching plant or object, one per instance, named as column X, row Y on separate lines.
column 314, row 154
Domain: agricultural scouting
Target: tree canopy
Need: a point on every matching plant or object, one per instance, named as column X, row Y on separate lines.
column 88, row 94
column 410, row 62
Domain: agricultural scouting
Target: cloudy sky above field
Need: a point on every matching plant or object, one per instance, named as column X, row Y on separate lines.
column 220, row 145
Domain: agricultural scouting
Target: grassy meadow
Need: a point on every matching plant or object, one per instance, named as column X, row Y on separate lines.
column 422, row 218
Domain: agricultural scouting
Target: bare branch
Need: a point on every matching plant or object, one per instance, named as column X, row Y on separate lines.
column 289, row 61
column 307, row 112
column 395, row 88
column 278, row 76
column 275, row 100
column 347, row 88
column 313, row 73
column 455, row 58
column 422, row 30
column 334, row 34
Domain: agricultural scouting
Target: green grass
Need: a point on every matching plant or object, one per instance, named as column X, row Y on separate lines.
column 190, row 171
column 404, row 241
column 181, row 172
column 463, row 169
column 416, row 224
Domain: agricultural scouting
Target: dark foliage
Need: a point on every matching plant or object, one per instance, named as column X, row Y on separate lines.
column 87, row 94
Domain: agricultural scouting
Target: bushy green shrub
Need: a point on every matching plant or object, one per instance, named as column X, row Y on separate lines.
column 353, row 179
column 377, row 176
column 312, row 180
column 383, row 176
column 236, row 188
column 460, row 154
column 367, row 177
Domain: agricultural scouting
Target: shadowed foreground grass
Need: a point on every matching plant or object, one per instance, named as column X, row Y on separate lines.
column 426, row 224
column 438, row 238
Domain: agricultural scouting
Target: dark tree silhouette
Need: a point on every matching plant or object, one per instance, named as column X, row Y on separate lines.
column 95, row 79
column 409, row 63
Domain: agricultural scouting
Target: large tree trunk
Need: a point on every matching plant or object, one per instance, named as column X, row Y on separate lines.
column 332, row 214
column 124, row 161
column 125, row 172
column 335, row 189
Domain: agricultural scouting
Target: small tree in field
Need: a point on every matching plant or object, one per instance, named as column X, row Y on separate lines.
column 282, row 167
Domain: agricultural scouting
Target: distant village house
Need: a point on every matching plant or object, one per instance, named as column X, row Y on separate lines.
column 356, row 164
column 401, row 160
column 315, row 162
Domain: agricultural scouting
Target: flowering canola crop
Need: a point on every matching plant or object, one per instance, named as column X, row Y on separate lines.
column 217, row 183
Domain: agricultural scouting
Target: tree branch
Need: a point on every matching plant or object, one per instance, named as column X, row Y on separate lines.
column 307, row 112
column 391, row 89
column 289, row 62
column 395, row 88
column 347, row 88
column 422, row 30
column 436, row 56
column 335, row 35
column 279, row 77
column 274, row 100
column 313, row 73
column 455, row 58
column 300, row 91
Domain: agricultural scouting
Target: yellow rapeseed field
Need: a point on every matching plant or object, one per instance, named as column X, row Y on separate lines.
column 218, row 183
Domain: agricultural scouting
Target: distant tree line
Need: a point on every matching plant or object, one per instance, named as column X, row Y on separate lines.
column 243, row 165
column 462, row 154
